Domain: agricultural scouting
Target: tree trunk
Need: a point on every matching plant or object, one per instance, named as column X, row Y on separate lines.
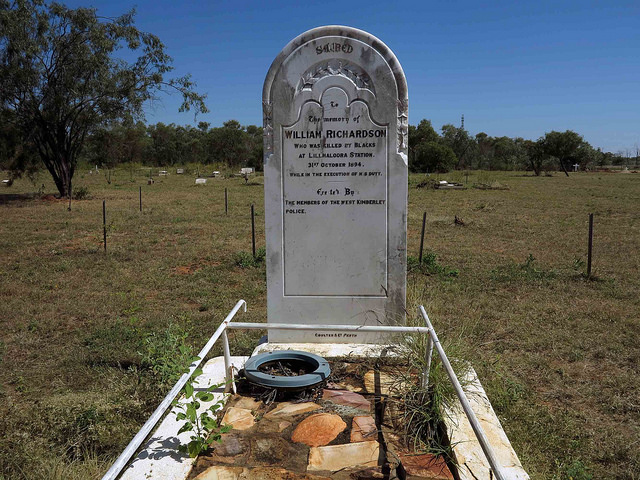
column 564, row 168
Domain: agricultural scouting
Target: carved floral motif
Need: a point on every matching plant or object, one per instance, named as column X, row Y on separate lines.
column 403, row 124
column 335, row 67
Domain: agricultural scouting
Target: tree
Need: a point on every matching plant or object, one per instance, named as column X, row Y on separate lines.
column 536, row 154
column 433, row 157
column 563, row 145
column 60, row 78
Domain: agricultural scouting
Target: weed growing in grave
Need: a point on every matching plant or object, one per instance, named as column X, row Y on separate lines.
column 245, row 259
column 425, row 408
column 206, row 429
column 166, row 354
column 576, row 470
column 430, row 266
column 527, row 271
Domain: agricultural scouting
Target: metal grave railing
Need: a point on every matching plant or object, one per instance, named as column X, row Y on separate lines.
column 226, row 324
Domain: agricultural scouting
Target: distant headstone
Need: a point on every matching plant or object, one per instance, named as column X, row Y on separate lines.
column 335, row 165
column 576, row 166
column 201, row 181
column 246, row 171
column 215, row 173
column 163, row 173
column 179, row 171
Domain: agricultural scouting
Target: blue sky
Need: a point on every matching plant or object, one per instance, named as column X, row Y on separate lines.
column 512, row 68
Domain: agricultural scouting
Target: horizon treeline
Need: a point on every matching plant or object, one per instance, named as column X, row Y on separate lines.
column 235, row 146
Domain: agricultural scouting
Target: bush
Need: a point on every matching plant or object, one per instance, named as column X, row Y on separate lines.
column 245, row 259
column 430, row 266
column 81, row 193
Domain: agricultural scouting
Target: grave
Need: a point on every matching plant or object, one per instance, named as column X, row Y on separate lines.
column 335, row 111
column 201, row 181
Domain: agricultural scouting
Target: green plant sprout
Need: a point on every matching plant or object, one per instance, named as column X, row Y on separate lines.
column 204, row 425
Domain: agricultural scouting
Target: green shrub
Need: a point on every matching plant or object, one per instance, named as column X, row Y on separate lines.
column 430, row 266
column 81, row 193
column 245, row 259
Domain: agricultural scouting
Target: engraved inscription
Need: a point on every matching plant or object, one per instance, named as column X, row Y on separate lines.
column 334, row 185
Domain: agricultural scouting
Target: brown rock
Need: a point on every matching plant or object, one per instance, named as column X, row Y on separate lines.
column 426, row 465
column 363, row 429
column 270, row 450
column 283, row 425
column 337, row 457
column 238, row 418
column 232, row 449
column 369, row 474
column 319, row 429
column 372, row 377
column 288, row 409
column 347, row 398
column 277, row 473
column 221, row 473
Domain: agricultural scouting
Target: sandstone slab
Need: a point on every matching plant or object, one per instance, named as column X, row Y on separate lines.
column 219, row 472
column 363, row 429
column 426, row 466
column 248, row 403
column 337, row 457
column 289, row 409
column 347, row 398
column 319, row 429
column 238, row 418
column 378, row 382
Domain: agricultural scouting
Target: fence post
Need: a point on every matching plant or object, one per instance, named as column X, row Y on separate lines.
column 424, row 220
column 590, row 245
column 104, row 223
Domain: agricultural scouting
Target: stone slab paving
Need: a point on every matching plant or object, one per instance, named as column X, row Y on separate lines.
column 337, row 436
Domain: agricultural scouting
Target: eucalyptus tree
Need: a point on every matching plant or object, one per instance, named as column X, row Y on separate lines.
column 61, row 77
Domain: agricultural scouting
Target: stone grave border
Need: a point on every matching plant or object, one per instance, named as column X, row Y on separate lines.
column 160, row 452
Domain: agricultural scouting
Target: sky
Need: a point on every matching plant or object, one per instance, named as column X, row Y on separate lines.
column 513, row 68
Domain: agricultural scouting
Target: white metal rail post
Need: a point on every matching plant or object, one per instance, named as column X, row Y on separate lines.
column 128, row 452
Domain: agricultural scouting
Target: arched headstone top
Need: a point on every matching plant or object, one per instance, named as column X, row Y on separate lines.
column 335, row 167
column 337, row 52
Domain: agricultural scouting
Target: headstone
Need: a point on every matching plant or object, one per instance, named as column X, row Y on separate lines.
column 179, row 171
column 201, row 181
column 246, row 171
column 576, row 166
column 163, row 173
column 216, row 173
column 335, row 166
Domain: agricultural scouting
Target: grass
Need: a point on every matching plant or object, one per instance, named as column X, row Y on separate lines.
column 83, row 332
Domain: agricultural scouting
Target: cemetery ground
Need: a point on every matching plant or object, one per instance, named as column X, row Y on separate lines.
column 90, row 342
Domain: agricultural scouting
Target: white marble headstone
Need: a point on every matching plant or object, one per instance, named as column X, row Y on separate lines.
column 335, row 166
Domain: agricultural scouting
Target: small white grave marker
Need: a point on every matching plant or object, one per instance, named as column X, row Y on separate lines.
column 216, row 173
column 179, row 171
column 576, row 166
column 201, row 181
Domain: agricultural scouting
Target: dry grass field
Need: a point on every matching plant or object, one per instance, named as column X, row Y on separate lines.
column 90, row 341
